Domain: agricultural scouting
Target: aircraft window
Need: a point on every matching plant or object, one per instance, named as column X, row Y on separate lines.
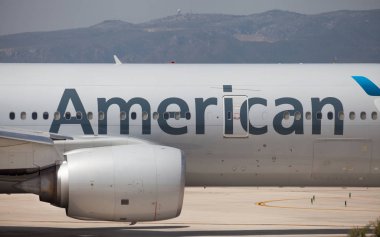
column 177, row 115
column 67, row 115
column 12, row 115
column 124, row 202
column 374, row 116
column 145, row 115
column 45, row 115
column 133, row 115
column 155, row 115
column 101, row 115
column 363, row 115
column 57, row 116
column 166, row 115
column 308, row 115
column 297, row 115
column 23, row 115
column 123, row 115
column 352, row 115
column 286, row 115
column 319, row 115
column 188, row 115
column 229, row 115
column 79, row 115
column 90, row 115
column 330, row 115
column 341, row 115
column 34, row 115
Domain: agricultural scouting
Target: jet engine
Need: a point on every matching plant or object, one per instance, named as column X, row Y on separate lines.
column 115, row 183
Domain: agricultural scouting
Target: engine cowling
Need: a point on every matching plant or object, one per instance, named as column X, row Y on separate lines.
column 116, row 183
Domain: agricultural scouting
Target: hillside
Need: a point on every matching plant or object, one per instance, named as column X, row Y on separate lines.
column 270, row 37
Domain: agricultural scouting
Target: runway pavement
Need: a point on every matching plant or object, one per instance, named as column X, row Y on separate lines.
column 237, row 211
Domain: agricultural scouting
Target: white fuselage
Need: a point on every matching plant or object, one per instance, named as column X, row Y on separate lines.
column 262, row 125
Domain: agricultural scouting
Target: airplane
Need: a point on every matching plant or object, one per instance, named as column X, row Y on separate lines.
column 120, row 142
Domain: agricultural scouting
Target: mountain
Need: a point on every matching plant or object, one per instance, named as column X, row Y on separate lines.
column 269, row 37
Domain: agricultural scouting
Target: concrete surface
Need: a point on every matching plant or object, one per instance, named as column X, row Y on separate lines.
column 241, row 211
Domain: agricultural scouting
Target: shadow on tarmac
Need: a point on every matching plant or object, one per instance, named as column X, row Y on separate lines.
column 156, row 231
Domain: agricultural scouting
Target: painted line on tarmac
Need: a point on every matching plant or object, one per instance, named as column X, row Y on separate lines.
column 265, row 204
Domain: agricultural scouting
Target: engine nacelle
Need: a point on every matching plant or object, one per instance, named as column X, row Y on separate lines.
column 116, row 183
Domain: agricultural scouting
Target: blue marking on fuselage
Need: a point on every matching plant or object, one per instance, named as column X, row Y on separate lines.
column 368, row 86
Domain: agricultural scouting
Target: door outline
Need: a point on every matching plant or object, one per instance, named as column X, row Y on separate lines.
column 232, row 127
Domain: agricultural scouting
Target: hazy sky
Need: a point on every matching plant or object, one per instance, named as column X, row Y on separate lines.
column 43, row 15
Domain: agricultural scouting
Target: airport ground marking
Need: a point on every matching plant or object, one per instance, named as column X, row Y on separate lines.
column 265, row 204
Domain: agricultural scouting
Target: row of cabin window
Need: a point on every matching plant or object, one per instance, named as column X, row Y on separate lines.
column 330, row 115
column 90, row 115
column 177, row 115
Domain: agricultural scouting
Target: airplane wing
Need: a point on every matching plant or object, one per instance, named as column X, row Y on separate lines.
column 30, row 136
column 26, row 152
column 22, row 150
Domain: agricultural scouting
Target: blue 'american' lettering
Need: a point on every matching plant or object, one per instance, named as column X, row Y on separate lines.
column 201, row 104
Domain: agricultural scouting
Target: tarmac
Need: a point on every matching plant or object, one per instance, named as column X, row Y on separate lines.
column 212, row 211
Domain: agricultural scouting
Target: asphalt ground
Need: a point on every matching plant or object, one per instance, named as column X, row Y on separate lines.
column 212, row 211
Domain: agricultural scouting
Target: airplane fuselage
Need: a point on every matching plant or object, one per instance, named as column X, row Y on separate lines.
column 261, row 125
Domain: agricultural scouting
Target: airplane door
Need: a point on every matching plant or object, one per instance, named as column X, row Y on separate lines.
column 232, row 126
